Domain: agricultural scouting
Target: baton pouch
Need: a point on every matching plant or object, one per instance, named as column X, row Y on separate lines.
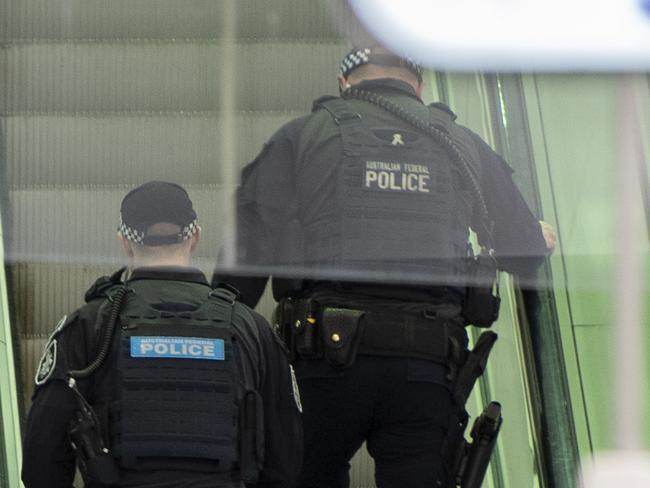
column 341, row 330
column 482, row 301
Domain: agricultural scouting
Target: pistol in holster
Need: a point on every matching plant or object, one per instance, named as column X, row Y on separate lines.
column 477, row 454
column 94, row 460
column 467, row 463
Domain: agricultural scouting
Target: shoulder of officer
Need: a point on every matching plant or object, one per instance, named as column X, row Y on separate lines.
column 50, row 357
column 444, row 108
column 99, row 288
column 231, row 295
column 317, row 104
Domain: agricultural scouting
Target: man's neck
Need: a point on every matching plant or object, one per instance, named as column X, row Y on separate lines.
column 158, row 261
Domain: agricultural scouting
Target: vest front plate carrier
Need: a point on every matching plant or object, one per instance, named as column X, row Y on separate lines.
column 401, row 205
column 175, row 389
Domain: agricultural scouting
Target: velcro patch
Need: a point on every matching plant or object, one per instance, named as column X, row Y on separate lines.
column 177, row 347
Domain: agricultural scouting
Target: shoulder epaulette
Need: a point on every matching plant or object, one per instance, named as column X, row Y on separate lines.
column 444, row 108
column 317, row 103
column 103, row 284
column 226, row 292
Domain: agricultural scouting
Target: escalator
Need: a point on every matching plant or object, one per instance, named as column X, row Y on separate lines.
column 98, row 97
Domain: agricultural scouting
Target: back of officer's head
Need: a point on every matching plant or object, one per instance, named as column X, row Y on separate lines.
column 374, row 62
column 158, row 224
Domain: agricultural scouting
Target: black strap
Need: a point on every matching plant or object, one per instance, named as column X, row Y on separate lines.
column 228, row 294
column 339, row 109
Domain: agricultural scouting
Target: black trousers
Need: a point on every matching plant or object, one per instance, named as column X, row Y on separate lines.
column 401, row 407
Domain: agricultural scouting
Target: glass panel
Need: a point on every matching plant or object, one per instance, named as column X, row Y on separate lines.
column 97, row 98
column 573, row 120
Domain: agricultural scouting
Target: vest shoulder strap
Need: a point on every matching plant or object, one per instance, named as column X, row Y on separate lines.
column 226, row 292
column 99, row 288
column 339, row 109
column 316, row 104
column 444, row 108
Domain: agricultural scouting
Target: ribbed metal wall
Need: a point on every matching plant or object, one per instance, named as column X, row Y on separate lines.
column 100, row 96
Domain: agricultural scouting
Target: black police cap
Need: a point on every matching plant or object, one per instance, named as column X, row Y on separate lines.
column 359, row 56
column 157, row 202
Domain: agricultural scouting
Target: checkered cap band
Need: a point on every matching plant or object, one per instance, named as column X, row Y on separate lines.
column 131, row 234
column 353, row 60
column 140, row 237
column 359, row 57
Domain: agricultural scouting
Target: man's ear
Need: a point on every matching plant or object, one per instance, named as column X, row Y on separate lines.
column 126, row 245
column 343, row 83
column 419, row 88
column 196, row 238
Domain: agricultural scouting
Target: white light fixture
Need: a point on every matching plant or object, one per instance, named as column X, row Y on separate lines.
column 516, row 35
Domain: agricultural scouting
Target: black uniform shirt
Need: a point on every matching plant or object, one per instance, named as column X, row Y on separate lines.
column 48, row 460
column 295, row 174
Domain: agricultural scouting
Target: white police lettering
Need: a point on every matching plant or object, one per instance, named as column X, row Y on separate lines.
column 409, row 177
column 177, row 347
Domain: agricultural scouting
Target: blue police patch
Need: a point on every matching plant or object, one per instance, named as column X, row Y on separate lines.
column 177, row 347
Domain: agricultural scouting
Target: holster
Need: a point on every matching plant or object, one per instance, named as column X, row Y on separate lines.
column 477, row 454
column 456, row 449
column 95, row 463
column 482, row 300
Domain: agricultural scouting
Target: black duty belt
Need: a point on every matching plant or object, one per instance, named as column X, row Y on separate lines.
column 402, row 334
column 339, row 333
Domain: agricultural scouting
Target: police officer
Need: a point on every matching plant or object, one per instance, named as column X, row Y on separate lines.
column 361, row 212
column 161, row 380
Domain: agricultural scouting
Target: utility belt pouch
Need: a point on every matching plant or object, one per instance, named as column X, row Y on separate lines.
column 482, row 301
column 297, row 321
column 341, row 330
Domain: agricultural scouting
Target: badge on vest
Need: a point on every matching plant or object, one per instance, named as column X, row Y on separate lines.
column 46, row 364
column 400, row 177
column 177, row 347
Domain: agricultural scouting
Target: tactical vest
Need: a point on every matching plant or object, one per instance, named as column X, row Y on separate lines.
column 401, row 206
column 173, row 388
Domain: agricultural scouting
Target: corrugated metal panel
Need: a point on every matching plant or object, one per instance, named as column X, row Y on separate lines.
column 128, row 149
column 77, row 225
column 153, row 76
column 31, row 20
